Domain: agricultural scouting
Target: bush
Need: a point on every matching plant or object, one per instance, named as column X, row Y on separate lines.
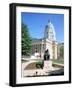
column 40, row 64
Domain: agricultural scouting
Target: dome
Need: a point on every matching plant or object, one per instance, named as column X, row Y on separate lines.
column 50, row 30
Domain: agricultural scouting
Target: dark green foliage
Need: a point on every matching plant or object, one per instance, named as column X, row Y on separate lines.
column 62, row 52
column 26, row 41
column 40, row 64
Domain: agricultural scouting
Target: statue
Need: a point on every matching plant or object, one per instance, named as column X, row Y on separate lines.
column 46, row 55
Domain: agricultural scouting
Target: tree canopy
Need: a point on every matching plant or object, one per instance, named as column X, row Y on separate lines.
column 25, row 41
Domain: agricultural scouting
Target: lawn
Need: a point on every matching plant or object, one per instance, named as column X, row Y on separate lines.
column 39, row 63
column 60, row 61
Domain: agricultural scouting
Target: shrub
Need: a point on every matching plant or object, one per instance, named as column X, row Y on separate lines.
column 40, row 64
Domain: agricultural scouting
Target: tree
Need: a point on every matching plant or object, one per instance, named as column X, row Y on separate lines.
column 62, row 52
column 26, row 41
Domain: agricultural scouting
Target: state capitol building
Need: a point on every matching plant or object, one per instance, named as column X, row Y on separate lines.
column 47, row 42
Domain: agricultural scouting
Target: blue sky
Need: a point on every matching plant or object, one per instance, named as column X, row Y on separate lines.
column 36, row 23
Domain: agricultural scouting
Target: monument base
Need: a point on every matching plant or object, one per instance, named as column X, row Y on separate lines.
column 47, row 65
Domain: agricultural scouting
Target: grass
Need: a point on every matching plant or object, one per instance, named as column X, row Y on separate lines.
column 39, row 64
column 60, row 61
column 24, row 61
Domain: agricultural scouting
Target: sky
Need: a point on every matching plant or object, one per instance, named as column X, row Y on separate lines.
column 36, row 23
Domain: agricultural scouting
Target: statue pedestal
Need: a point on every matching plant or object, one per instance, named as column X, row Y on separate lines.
column 47, row 65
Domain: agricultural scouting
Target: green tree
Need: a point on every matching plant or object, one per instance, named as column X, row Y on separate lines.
column 62, row 52
column 26, row 41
